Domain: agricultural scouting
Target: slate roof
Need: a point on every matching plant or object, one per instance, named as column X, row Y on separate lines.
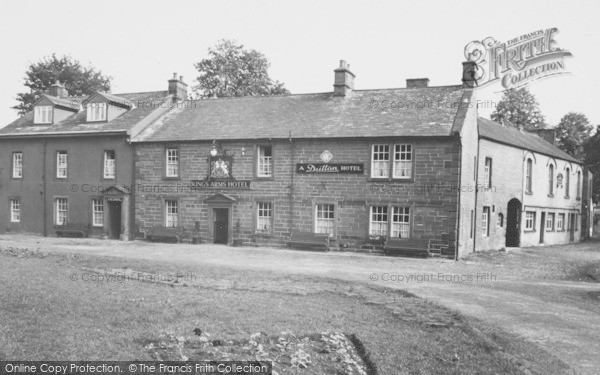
column 512, row 136
column 427, row 111
column 69, row 103
column 115, row 99
column 145, row 103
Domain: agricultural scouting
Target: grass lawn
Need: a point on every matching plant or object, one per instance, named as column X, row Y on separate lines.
column 60, row 307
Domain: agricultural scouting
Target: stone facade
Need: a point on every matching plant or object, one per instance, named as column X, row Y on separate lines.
column 431, row 194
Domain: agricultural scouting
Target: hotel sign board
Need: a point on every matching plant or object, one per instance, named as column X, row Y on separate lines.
column 223, row 184
column 322, row 168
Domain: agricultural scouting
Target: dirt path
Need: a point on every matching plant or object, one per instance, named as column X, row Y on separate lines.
column 556, row 314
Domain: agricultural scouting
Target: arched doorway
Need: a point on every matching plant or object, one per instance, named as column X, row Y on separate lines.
column 513, row 223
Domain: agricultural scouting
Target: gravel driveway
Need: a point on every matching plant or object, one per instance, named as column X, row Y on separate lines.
column 524, row 292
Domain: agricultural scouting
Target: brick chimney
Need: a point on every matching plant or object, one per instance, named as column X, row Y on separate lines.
column 178, row 88
column 58, row 90
column 417, row 83
column 469, row 74
column 343, row 84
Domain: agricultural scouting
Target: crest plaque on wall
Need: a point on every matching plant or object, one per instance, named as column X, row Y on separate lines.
column 220, row 175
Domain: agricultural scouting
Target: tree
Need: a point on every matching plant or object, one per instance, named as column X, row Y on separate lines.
column 77, row 79
column 572, row 132
column 232, row 70
column 591, row 149
column 519, row 108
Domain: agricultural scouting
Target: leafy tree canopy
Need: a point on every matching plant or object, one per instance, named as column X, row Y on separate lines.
column 232, row 70
column 572, row 132
column 77, row 79
column 519, row 108
column 591, row 148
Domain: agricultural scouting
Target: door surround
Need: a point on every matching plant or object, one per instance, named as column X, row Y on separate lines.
column 220, row 201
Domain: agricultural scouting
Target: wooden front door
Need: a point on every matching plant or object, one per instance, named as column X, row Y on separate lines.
column 572, row 227
column 221, row 225
column 114, row 212
column 542, row 227
column 513, row 227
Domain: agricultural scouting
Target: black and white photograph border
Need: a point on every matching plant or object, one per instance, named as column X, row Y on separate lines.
column 299, row 187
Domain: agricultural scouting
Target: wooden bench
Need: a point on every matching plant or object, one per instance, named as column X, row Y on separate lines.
column 406, row 246
column 165, row 234
column 310, row 241
column 373, row 242
column 73, row 229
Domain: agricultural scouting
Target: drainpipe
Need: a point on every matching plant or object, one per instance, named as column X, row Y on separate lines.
column 291, row 193
column 474, row 229
column 457, row 226
column 132, row 228
column 44, row 199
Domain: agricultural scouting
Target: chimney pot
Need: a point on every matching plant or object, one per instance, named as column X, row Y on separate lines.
column 58, row 90
column 469, row 74
column 178, row 88
column 343, row 83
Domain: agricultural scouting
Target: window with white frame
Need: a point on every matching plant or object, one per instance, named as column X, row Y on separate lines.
column 171, row 213
column 17, row 165
column 567, row 182
column 560, row 222
column 325, row 219
column 61, row 164
column 400, row 222
column 15, row 210
column 530, row 220
column 172, row 162
column 96, row 112
column 528, row 176
column 264, row 161
column 485, row 221
column 42, row 114
column 109, row 164
column 264, row 217
column 402, row 161
column 550, row 221
column 61, row 207
column 378, row 223
column 551, row 179
column 487, row 173
column 380, row 161
column 97, row 212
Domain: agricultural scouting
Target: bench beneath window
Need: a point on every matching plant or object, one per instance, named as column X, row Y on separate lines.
column 309, row 241
column 73, row 229
column 406, row 246
column 165, row 234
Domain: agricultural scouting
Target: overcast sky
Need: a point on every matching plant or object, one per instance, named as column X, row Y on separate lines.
column 142, row 43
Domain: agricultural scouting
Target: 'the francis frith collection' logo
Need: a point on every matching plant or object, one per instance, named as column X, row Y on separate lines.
column 516, row 62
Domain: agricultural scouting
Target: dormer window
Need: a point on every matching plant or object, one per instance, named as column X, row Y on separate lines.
column 96, row 112
column 42, row 114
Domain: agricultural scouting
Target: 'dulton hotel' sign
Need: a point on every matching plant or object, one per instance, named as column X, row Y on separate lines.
column 313, row 168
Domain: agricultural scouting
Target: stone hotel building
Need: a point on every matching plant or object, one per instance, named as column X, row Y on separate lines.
column 412, row 162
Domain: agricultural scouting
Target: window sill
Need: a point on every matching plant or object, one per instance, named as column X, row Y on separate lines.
column 529, row 231
column 550, row 230
column 560, row 230
column 567, row 197
column 551, row 195
column 171, row 178
column 265, row 178
column 528, row 193
column 391, row 180
column 262, row 234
